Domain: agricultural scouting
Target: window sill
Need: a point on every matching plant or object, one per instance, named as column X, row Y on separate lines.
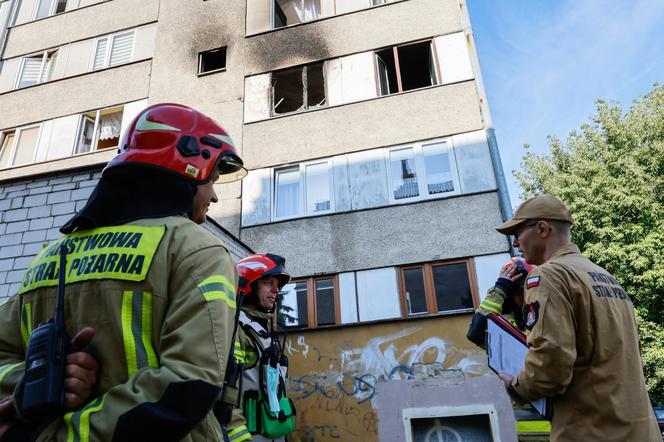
column 56, row 15
column 88, row 159
column 294, row 25
column 335, row 106
column 205, row 74
column 384, row 206
column 380, row 321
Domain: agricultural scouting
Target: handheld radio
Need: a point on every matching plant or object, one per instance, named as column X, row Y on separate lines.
column 45, row 359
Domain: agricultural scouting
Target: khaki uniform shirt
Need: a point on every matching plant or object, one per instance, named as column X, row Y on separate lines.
column 584, row 353
column 160, row 294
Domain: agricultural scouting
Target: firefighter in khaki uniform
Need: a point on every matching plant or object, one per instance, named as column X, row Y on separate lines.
column 158, row 288
column 583, row 341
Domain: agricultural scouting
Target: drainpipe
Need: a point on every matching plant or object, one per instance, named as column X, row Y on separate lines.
column 503, row 194
column 4, row 27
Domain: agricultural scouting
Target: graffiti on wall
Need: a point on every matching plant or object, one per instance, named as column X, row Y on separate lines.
column 341, row 379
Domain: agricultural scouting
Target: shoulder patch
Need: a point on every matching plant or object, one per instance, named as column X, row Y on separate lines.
column 532, row 314
column 532, row 282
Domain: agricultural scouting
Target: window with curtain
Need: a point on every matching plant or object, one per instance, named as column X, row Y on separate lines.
column 113, row 50
column 6, row 149
column 100, row 129
column 287, row 192
column 26, row 146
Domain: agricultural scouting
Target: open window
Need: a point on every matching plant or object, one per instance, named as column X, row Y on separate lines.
column 19, row 147
column 298, row 89
column 100, row 129
column 37, row 68
column 289, row 12
column 404, row 68
column 113, row 50
column 46, row 8
column 436, row 287
column 212, row 61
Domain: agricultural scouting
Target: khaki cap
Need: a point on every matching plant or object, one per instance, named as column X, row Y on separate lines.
column 537, row 207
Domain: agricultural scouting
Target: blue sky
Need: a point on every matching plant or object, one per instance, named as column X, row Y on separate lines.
column 545, row 62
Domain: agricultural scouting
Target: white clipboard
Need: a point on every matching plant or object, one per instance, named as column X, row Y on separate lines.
column 507, row 348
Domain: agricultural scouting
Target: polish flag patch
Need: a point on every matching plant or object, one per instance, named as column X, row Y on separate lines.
column 532, row 282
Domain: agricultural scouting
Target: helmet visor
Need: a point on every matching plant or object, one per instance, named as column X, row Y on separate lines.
column 231, row 169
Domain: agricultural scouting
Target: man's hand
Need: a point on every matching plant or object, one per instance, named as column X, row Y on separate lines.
column 510, row 271
column 6, row 411
column 507, row 380
column 81, row 370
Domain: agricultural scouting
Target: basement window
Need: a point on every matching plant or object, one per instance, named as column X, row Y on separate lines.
column 297, row 89
column 404, row 68
column 212, row 61
column 100, row 129
column 289, row 12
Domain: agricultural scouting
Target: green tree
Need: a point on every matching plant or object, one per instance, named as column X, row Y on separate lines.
column 611, row 174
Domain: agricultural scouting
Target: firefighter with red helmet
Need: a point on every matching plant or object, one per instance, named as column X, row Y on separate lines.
column 504, row 298
column 265, row 412
column 157, row 287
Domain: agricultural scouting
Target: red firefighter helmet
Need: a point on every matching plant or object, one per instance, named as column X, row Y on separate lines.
column 180, row 140
column 260, row 265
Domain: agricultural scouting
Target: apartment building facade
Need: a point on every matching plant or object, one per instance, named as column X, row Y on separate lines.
column 373, row 170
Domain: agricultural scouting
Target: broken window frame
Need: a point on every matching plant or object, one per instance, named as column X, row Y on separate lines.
column 421, row 171
column 94, row 143
column 108, row 50
column 304, row 184
column 13, row 149
column 53, row 9
column 430, row 290
column 312, row 299
column 48, row 60
column 211, row 51
column 305, row 91
column 434, row 73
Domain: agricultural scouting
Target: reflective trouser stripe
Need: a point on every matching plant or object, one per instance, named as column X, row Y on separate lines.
column 239, row 434
column 26, row 323
column 137, row 331
column 218, row 287
column 5, row 369
column 78, row 422
column 492, row 306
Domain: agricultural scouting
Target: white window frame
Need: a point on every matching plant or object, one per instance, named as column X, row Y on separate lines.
column 420, row 171
column 451, row 411
column 17, row 137
column 109, row 48
column 95, row 135
column 19, row 74
column 51, row 11
column 302, row 203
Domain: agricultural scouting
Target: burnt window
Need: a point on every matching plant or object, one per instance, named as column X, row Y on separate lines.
column 404, row 68
column 212, row 61
column 298, row 89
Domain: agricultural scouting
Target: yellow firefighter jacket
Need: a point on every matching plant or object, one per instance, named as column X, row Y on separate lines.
column 160, row 294
column 584, row 353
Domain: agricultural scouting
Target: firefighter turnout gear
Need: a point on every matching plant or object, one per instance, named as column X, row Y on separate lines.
column 259, row 349
column 160, row 294
column 584, row 353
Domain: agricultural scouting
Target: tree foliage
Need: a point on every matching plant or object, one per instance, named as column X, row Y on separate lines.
column 611, row 174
